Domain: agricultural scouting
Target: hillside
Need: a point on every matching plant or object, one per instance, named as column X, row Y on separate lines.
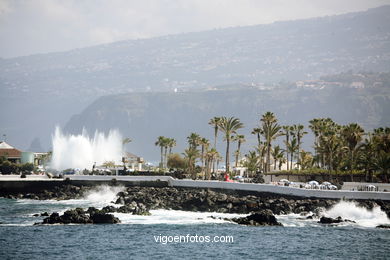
column 145, row 116
column 291, row 50
column 39, row 91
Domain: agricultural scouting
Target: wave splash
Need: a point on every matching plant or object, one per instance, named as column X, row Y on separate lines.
column 362, row 216
column 103, row 195
column 176, row 217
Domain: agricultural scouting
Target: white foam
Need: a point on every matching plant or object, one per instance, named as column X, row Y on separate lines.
column 103, row 195
column 362, row 216
column 296, row 220
column 162, row 216
column 98, row 197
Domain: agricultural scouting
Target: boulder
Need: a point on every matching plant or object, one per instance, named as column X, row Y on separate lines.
column 383, row 226
column 104, row 218
column 54, row 218
column 325, row 220
column 260, row 218
column 79, row 216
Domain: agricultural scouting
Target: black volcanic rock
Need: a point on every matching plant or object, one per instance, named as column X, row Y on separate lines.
column 261, row 218
column 326, row 220
column 104, row 218
column 384, row 226
column 79, row 216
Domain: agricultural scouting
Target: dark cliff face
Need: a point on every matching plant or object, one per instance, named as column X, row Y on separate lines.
column 145, row 116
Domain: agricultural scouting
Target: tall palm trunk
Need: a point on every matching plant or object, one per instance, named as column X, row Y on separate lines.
column 287, row 142
column 215, row 136
column 351, row 168
column 165, row 157
column 298, row 154
column 162, row 156
column 202, row 158
column 238, row 152
column 269, row 156
column 227, row 155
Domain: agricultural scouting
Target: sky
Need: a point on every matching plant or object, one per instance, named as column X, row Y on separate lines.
column 41, row 26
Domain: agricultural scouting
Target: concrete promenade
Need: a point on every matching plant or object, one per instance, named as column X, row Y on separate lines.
column 171, row 182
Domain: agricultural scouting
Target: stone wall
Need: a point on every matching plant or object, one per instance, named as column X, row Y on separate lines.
column 159, row 181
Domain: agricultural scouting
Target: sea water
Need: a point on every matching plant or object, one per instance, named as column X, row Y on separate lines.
column 137, row 237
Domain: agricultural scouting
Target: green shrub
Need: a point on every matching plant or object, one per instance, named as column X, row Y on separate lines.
column 7, row 167
column 27, row 167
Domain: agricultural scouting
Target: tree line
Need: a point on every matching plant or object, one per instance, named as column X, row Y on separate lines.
column 338, row 149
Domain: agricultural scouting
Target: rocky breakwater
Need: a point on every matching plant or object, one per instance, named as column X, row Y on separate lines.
column 81, row 216
column 205, row 200
column 64, row 192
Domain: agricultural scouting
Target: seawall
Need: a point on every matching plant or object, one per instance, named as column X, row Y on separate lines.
column 31, row 185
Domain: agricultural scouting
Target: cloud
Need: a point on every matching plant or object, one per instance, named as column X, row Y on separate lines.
column 56, row 25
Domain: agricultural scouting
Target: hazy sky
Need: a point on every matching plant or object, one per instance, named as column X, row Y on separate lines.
column 40, row 26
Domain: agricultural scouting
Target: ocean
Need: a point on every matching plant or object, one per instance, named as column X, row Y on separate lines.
column 169, row 234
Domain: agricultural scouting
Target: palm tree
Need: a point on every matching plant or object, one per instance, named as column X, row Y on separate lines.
column 320, row 126
column 262, row 150
column 258, row 132
column 161, row 141
column 239, row 139
column 314, row 127
column 306, row 160
column 271, row 130
column 204, row 143
column 298, row 133
column 215, row 123
column 252, row 163
column 367, row 156
column 277, row 154
column 210, row 157
column 380, row 145
column 191, row 155
column 216, row 163
column 193, row 140
column 292, row 147
column 282, row 160
column 353, row 135
column 229, row 126
column 126, row 141
column 382, row 163
column 166, row 146
column 330, row 144
column 287, row 131
column 171, row 143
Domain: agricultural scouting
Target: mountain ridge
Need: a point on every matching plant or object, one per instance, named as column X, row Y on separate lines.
column 39, row 92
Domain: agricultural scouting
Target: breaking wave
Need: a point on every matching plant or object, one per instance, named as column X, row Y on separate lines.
column 362, row 216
